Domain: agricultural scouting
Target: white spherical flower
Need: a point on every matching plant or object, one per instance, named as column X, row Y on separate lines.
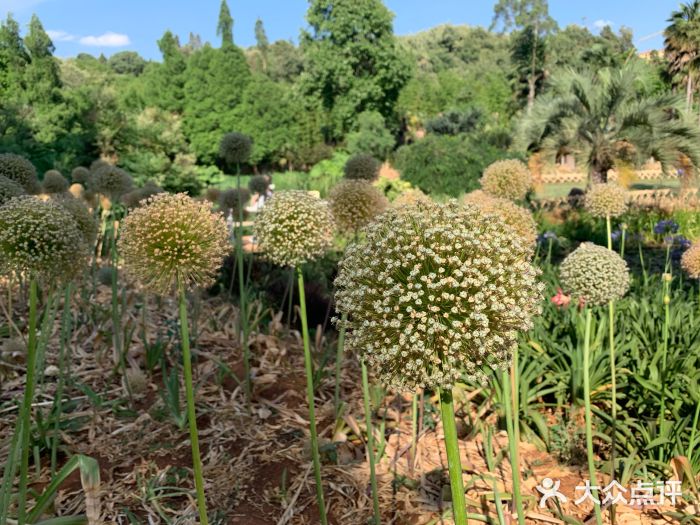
column 41, row 238
column 354, row 203
column 173, row 240
column 435, row 291
column 594, row 274
column 690, row 261
column 510, row 179
column 294, row 227
column 606, row 200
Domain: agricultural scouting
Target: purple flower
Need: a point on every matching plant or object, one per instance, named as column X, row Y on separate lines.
column 666, row 226
column 547, row 236
column 616, row 235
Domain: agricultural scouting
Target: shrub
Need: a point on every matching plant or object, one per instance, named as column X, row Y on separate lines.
column 443, row 164
column 371, row 136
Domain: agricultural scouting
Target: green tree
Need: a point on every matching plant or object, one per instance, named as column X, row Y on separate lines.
column 13, row 60
column 532, row 18
column 284, row 61
column 41, row 76
column 165, row 82
column 216, row 81
column 267, row 115
column 352, row 61
column 261, row 42
column 224, row 27
column 609, row 116
column 371, row 136
column 127, row 63
column 682, row 45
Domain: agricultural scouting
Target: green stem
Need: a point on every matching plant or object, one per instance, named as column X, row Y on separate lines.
column 641, row 262
column 588, row 415
column 339, row 362
column 622, row 242
column 513, row 447
column 488, row 450
column 613, row 393
column 116, row 317
column 242, row 291
column 667, row 315
column 693, row 432
column 310, row 395
column 191, row 414
column 609, row 229
column 459, row 504
column 414, row 427
column 26, row 410
column 58, row 398
column 370, row 445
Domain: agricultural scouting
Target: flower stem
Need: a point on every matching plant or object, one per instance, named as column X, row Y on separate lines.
column 609, row 228
column 26, row 410
column 459, row 504
column 370, row 445
column 414, row 426
column 667, row 316
column 588, row 416
column 243, row 298
column 339, row 362
column 191, row 414
column 66, row 322
column 613, row 393
column 310, row 395
column 513, row 447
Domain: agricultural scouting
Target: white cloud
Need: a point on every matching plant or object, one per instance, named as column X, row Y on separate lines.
column 600, row 24
column 108, row 39
column 60, row 36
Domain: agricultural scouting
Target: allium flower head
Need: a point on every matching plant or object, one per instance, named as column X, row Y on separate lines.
column 355, row 203
column 434, row 291
column 111, row 181
column 81, row 175
column 172, row 240
column 594, row 274
column 518, row 218
column 213, row 195
column 20, row 170
column 54, row 182
column 409, row 198
column 84, row 219
column 690, row 261
column 41, row 238
column 235, row 148
column 606, row 200
column 294, row 227
column 510, row 179
column 259, row 184
column 233, row 201
column 362, row 166
column 9, row 189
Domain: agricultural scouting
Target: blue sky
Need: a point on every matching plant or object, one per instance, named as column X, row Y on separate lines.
column 108, row 26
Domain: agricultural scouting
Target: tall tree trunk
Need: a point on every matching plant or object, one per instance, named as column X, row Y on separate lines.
column 597, row 175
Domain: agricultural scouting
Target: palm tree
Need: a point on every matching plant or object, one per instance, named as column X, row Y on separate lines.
column 610, row 116
column 682, row 45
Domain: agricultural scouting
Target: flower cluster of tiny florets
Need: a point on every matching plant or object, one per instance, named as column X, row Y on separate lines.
column 594, row 274
column 435, row 291
column 510, row 179
column 233, row 201
column 235, row 148
column 294, row 227
column 409, row 198
column 362, row 166
column 173, row 240
column 690, row 261
column 54, row 182
column 259, row 184
column 9, row 189
column 80, row 175
column 355, row 203
column 84, row 219
column 20, row 170
column 518, row 218
column 111, row 181
column 41, row 238
column 606, row 200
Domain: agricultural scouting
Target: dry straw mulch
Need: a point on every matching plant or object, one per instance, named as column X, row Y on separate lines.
column 256, row 463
